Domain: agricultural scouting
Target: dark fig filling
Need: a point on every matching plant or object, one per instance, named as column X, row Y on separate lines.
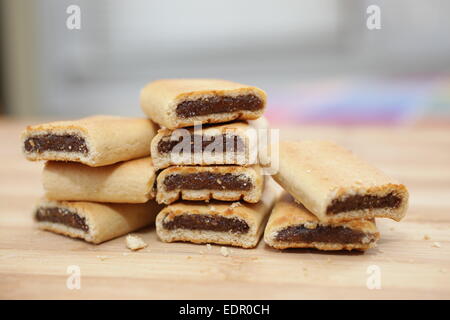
column 218, row 104
column 207, row 222
column 208, row 180
column 327, row 234
column 61, row 216
column 53, row 142
column 360, row 202
column 221, row 143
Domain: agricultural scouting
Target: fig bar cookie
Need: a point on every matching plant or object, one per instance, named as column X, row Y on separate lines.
column 124, row 182
column 94, row 141
column 231, row 143
column 238, row 223
column 177, row 103
column 226, row 183
column 336, row 185
column 291, row 225
column 94, row 222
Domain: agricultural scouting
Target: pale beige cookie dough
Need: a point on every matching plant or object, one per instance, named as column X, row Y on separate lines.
column 177, row 103
column 94, row 141
column 124, row 182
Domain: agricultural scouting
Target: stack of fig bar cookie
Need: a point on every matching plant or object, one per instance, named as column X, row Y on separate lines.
column 98, row 178
column 209, row 179
column 331, row 198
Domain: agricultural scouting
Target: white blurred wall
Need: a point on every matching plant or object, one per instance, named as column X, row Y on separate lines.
column 51, row 70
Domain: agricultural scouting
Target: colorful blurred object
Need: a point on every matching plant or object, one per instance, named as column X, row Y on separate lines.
column 361, row 101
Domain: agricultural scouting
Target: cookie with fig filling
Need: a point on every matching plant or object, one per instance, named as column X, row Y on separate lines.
column 336, row 185
column 226, row 183
column 291, row 225
column 233, row 143
column 237, row 224
column 93, row 222
column 178, row 103
column 94, row 141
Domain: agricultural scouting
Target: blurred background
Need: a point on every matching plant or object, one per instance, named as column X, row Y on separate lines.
column 317, row 59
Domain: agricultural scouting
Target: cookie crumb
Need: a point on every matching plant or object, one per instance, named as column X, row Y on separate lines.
column 310, row 225
column 436, row 245
column 208, row 246
column 202, row 252
column 224, row 252
column 426, row 237
column 392, row 228
column 102, row 258
column 135, row 242
column 235, row 204
column 188, row 257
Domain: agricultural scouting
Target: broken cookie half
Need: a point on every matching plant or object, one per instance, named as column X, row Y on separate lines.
column 291, row 225
column 226, row 183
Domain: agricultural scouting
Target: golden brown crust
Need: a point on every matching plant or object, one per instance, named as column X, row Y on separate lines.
column 105, row 221
column 253, row 174
column 287, row 213
column 160, row 98
column 124, row 182
column 109, row 139
column 317, row 172
column 321, row 246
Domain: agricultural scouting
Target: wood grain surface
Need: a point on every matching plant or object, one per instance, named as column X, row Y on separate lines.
column 413, row 256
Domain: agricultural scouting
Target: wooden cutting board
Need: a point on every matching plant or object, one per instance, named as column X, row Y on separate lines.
column 412, row 259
